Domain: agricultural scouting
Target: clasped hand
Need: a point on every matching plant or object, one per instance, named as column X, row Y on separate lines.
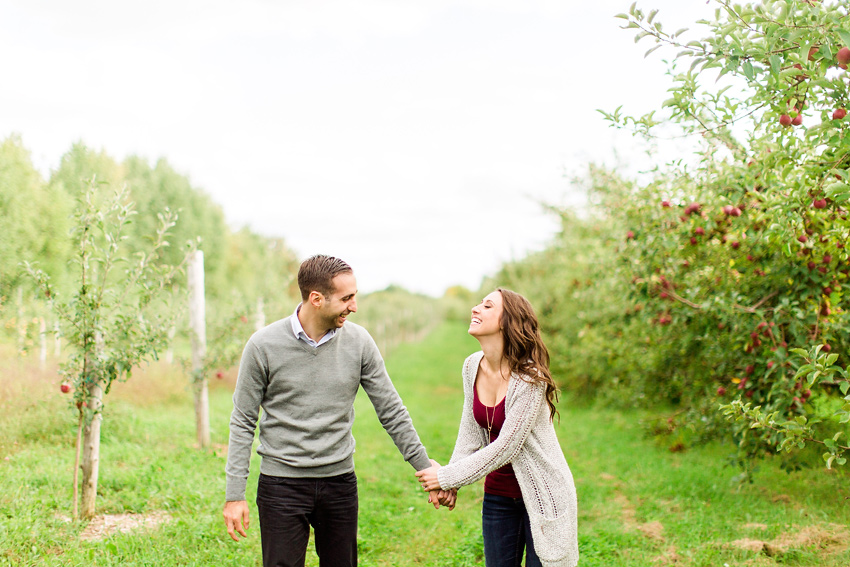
column 437, row 496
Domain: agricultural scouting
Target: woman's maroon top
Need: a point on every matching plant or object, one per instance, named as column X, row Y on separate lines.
column 501, row 482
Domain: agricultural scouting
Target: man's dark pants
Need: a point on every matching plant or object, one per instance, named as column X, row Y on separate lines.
column 287, row 508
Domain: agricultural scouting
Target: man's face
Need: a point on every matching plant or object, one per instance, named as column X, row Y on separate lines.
column 341, row 302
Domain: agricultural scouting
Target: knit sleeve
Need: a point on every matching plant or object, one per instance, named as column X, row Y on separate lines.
column 250, row 388
column 520, row 417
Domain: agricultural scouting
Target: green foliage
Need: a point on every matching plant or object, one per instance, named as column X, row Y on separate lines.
column 242, row 267
column 115, row 319
column 34, row 220
column 742, row 258
column 703, row 278
column 156, row 188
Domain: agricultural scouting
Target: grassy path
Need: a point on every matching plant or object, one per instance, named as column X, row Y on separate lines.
column 640, row 505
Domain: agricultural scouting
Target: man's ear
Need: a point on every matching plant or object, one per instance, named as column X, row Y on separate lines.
column 316, row 299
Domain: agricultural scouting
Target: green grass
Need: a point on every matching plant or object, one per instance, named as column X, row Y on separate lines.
column 639, row 504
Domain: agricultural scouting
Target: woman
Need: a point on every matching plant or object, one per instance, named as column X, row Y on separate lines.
column 506, row 434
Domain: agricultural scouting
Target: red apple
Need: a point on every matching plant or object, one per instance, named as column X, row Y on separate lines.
column 826, row 348
column 802, row 238
column 839, row 114
column 721, row 391
column 736, row 212
column 843, row 56
column 736, row 244
column 797, row 120
column 700, row 230
column 819, row 203
column 665, row 204
column 630, row 235
column 785, row 120
column 219, row 374
column 827, row 258
column 65, row 387
column 812, row 52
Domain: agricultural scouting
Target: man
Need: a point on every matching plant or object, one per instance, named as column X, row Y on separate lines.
column 304, row 371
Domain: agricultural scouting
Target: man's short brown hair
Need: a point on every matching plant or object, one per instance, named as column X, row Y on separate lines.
column 317, row 273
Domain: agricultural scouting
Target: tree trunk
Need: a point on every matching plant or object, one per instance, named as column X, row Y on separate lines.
column 91, row 450
column 197, row 322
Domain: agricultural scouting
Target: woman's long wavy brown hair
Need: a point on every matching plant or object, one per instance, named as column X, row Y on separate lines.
column 524, row 348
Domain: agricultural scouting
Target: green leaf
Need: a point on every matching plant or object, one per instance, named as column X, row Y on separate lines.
column 799, row 351
column 775, row 64
column 844, row 35
column 844, row 387
column 830, row 360
column 652, row 49
column 805, row 369
column 813, row 377
column 651, row 17
column 748, row 70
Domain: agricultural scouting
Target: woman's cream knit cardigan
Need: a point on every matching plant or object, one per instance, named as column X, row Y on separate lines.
column 527, row 441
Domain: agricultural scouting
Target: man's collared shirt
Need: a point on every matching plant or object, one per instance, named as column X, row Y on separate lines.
column 300, row 334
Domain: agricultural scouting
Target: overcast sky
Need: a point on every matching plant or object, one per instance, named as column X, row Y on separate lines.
column 413, row 139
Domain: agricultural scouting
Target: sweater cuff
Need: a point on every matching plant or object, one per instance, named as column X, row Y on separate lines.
column 235, row 488
column 441, row 478
column 420, row 461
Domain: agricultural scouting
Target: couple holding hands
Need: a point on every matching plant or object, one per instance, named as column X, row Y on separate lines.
column 304, row 372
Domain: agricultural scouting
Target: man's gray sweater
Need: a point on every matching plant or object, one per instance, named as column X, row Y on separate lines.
column 307, row 395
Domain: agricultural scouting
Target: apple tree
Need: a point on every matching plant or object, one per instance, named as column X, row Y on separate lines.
column 738, row 253
column 115, row 319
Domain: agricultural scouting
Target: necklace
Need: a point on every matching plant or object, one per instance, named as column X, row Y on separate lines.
column 489, row 422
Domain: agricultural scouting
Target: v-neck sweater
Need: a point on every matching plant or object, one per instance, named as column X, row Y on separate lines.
column 307, row 396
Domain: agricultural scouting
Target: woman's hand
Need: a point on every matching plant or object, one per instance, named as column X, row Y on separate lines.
column 428, row 477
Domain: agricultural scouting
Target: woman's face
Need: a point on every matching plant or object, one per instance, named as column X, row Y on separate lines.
column 487, row 316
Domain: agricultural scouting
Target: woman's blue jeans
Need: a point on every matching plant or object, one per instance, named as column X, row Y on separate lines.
column 507, row 533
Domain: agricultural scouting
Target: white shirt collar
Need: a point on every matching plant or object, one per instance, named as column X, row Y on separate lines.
column 298, row 329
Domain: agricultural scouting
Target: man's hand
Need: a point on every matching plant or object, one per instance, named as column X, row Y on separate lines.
column 448, row 498
column 235, row 515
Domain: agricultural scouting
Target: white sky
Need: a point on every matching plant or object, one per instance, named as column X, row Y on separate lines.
column 412, row 139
